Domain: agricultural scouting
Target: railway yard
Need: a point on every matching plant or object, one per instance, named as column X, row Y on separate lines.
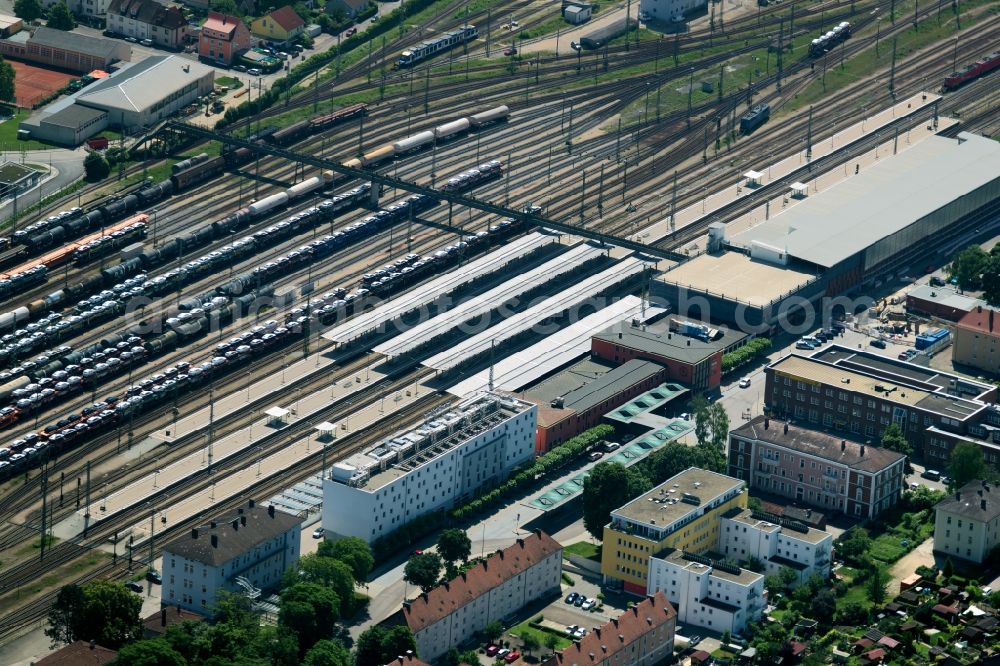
column 325, row 273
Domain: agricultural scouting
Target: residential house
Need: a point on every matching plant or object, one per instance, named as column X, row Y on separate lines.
column 251, row 547
column 452, row 613
column 967, row 523
column 223, row 38
column 148, row 19
column 641, row 636
column 976, row 341
column 281, row 25
column 351, row 8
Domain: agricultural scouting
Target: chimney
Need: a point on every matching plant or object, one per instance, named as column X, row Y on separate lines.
column 649, row 621
column 537, row 531
column 500, row 553
column 235, row 524
column 213, row 524
column 270, row 510
column 464, row 576
column 862, row 450
column 843, row 445
column 215, row 541
column 423, row 595
column 251, row 504
column 194, row 532
column 958, row 496
column 243, row 521
column 406, row 604
column 689, row 343
column 520, row 542
column 786, row 427
column 619, row 335
column 990, row 329
column 163, row 617
column 982, row 504
column 767, row 423
column 447, row 585
column 979, row 308
column 621, row 637
column 240, row 511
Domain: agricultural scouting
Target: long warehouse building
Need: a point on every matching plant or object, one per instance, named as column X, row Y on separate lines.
column 884, row 221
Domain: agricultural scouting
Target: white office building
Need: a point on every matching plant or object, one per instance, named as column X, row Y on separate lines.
column 248, row 549
column 777, row 542
column 708, row 594
column 449, row 457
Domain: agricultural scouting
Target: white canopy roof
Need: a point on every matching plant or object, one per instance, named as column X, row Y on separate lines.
column 798, row 187
column 753, row 175
column 277, row 412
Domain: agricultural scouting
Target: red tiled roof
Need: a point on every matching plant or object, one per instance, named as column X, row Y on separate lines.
column 158, row 622
column 981, row 320
column 408, row 660
column 220, row 22
column 875, row 655
column 797, row 648
column 615, row 636
column 888, row 642
column 945, row 610
column 700, row 656
column 446, row 598
column 287, row 18
column 80, row 653
column 864, row 642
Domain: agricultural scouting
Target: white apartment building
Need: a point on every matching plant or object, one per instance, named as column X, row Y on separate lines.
column 777, row 542
column 88, row 8
column 449, row 457
column 452, row 613
column 253, row 544
column 708, row 594
column 967, row 524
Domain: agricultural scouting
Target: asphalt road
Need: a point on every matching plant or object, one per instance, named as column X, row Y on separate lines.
column 66, row 167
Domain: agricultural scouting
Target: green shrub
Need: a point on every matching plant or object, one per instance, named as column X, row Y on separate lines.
column 747, row 353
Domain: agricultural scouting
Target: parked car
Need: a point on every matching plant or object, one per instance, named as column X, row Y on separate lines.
column 695, row 639
column 595, row 456
column 253, row 71
column 350, row 32
column 575, row 46
column 147, row 42
column 153, row 576
column 510, row 51
column 588, row 604
column 491, row 650
column 878, row 343
column 936, row 281
column 579, row 600
column 511, row 657
column 134, row 586
column 745, row 382
column 571, row 597
column 318, row 533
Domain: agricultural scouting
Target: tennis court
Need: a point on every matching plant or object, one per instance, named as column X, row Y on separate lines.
column 33, row 83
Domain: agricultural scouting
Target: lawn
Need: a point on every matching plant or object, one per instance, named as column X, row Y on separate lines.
column 584, row 549
column 8, row 134
column 525, row 628
column 230, row 82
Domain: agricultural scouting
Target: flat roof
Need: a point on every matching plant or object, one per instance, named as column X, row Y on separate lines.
column 610, row 384
column 647, row 402
column 426, row 293
column 484, row 303
column 944, row 296
column 11, row 172
column 75, row 41
column 744, row 577
column 823, row 445
column 653, row 508
column 569, row 379
column 811, row 370
column 73, row 116
column 144, row 84
column 810, row 535
column 574, row 297
column 520, row 369
column 736, row 277
column 659, row 340
column 883, row 199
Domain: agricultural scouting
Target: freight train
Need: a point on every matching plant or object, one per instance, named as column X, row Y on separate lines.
column 432, row 47
column 427, row 138
column 979, row 68
column 162, row 387
column 827, row 41
column 310, row 126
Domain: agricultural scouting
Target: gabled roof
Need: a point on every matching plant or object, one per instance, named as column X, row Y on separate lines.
column 617, row 635
column 221, row 23
column 80, row 653
column 158, row 622
column 408, row 660
column 287, row 18
column 981, row 320
column 148, row 11
column 74, row 41
column 976, row 500
column 142, row 85
column 448, row 597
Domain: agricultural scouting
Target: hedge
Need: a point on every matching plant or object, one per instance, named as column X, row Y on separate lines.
column 749, row 352
column 317, row 61
column 552, row 460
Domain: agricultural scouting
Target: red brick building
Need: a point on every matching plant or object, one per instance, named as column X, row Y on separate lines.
column 223, row 38
column 940, row 302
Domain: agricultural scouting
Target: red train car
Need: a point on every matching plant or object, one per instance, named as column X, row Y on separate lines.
column 975, row 70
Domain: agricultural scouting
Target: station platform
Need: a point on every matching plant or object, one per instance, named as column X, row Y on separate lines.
column 712, row 202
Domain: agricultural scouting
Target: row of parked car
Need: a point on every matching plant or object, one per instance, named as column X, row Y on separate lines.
column 820, row 337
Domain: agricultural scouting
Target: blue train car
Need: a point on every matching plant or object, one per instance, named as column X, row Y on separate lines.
column 754, row 118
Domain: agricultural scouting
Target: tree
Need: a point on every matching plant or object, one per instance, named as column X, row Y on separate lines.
column 531, row 642
column 328, row 572
column 754, row 564
column 711, row 429
column 28, row 10
column 352, row 551
column 967, row 267
column 273, row 646
column 109, row 615
column 65, row 614
column 310, row 610
column 454, row 545
column 991, row 277
column 551, row 641
column 423, row 570
column 948, row 568
column 823, row 606
column 6, row 81
column 607, row 487
column 853, row 614
column 153, row 652
column 398, row 640
column 327, row 653
column 368, row 647
column 854, row 545
column 493, row 631
column 787, row 576
column 966, row 464
column 95, row 166
column 875, row 585
column 894, row 440
column 60, row 17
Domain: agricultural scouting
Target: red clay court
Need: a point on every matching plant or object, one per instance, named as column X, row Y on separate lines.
column 32, row 84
